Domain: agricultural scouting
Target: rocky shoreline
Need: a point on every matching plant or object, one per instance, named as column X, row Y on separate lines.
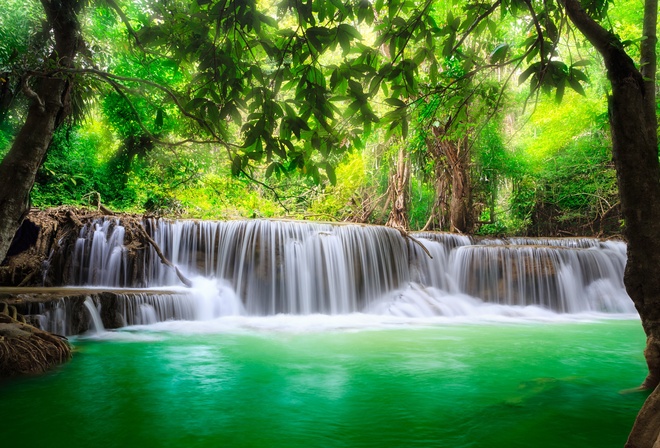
column 26, row 349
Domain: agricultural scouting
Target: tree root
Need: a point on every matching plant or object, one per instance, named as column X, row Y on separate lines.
column 27, row 350
column 29, row 277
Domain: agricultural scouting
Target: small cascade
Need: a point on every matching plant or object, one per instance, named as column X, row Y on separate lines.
column 99, row 256
column 80, row 310
column 52, row 318
column 95, row 318
column 572, row 242
column 449, row 241
column 554, row 277
column 149, row 308
column 262, row 267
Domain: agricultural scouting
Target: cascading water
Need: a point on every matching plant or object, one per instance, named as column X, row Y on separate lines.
column 554, row 277
column 95, row 317
column 265, row 267
column 99, row 256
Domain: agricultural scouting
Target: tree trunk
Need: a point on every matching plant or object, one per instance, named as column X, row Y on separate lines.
column 399, row 193
column 460, row 213
column 634, row 126
column 633, row 123
column 646, row 430
column 439, row 214
column 452, row 157
column 50, row 104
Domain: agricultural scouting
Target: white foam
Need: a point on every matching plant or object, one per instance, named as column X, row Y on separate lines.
column 215, row 298
column 319, row 323
column 120, row 336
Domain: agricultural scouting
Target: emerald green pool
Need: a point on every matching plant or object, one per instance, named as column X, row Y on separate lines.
column 271, row 382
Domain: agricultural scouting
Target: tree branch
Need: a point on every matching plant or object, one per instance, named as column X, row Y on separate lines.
column 31, row 94
column 606, row 43
column 476, row 22
column 127, row 23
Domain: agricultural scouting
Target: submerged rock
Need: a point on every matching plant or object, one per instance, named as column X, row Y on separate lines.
column 25, row 349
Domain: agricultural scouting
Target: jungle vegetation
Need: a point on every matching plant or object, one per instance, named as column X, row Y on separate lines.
column 128, row 144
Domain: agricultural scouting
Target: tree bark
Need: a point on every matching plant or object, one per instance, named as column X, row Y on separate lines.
column 460, row 213
column 634, row 124
column 646, row 430
column 454, row 158
column 399, row 193
column 50, row 105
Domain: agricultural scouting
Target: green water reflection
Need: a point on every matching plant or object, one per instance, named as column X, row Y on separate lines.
column 525, row 385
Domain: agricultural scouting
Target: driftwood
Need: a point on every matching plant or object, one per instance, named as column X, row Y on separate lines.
column 407, row 236
column 163, row 258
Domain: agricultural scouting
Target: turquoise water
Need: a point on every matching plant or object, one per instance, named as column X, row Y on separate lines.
column 273, row 382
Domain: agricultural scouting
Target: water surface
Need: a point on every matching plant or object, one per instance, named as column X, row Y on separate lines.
column 330, row 382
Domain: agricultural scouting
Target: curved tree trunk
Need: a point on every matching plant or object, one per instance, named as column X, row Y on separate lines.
column 634, row 127
column 50, row 105
column 646, row 430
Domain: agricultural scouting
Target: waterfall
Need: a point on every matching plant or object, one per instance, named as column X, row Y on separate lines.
column 553, row 276
column 95, row 317
column 99, row 255
column 97, row 310
column 263, row 267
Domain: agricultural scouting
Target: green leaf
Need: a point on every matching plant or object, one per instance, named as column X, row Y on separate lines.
column 195, row 103
column 581, row 63
column 395, row 102
column 575, row 85
column 349, row 30
column 579, row 75
column 499, row 53
column 559, row 94
column 526, row 74
column 213, row 114
column 449, row 45
column 269, row 169
column 158, row 123
column 236, row 166
column 330, row 172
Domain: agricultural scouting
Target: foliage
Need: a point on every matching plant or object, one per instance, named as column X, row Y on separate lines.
column 18, row 40
column 339, row 201
column 289, row 97
column 71, row 170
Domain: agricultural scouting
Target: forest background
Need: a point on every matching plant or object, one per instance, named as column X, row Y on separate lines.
column 492, row 157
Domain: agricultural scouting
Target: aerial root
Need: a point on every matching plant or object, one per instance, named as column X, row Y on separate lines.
column 27, row 350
